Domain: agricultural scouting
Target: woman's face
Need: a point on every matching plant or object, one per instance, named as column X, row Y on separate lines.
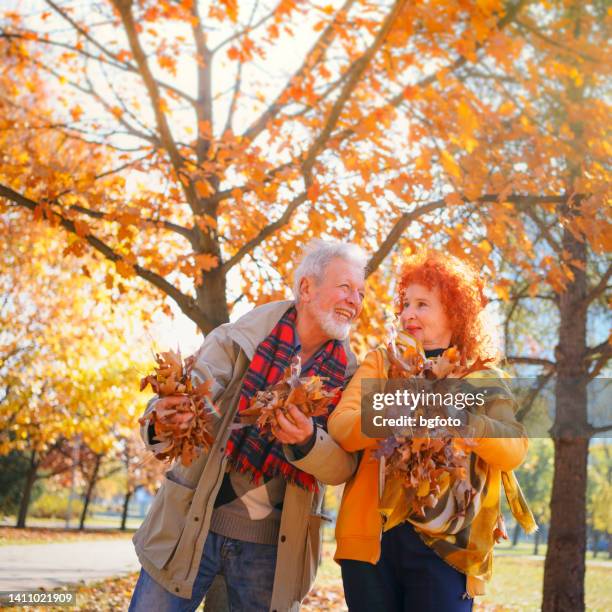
column 423, row 316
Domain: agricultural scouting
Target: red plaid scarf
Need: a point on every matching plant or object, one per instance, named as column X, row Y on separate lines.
column 247, row 450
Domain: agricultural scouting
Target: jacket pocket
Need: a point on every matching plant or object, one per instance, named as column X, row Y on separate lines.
column 160, row 532
column 312, row 553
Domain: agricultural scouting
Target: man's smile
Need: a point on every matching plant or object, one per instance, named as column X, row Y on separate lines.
column 344, row 313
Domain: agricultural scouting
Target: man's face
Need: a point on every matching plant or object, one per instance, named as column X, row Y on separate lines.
column 336, row 302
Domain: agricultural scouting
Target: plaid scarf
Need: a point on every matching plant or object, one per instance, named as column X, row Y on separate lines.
column 247, row 449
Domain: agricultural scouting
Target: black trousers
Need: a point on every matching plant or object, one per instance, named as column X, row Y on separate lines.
column 409, row 577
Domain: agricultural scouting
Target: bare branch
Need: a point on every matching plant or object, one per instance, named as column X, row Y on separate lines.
column 594, row 351
column 525, row 409
column 602, row 429
column 397, row 230
column 599, row 288
column 265, row 232
column 605, row 354
column 356, row 71
column 531, row 361
column 204, row 106
column 313, row 57
column 112, row 56
column 246, row 30
column 232, row 107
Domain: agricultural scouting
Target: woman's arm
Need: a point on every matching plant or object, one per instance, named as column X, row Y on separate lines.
column 498, row 437
column 344, row 424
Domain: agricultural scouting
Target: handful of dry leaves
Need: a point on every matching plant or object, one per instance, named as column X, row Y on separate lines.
column 307, row 393
column 425, row 459
column 186, row 423
column 422, row 465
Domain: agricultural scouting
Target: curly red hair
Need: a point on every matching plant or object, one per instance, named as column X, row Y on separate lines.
column 461, row 292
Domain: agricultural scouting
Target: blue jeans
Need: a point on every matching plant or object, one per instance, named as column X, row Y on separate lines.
column 248, row 570
column 409, row 577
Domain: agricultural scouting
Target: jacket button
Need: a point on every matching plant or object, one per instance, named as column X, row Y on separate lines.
column 196, row 518
column 282, row 538
column 176, row 589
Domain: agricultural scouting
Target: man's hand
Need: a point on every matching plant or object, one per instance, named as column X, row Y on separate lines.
column 288, row 433
column 167, row 404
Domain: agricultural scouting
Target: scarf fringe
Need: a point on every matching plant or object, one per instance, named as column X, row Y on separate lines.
column 518, row 503
column 271, row 469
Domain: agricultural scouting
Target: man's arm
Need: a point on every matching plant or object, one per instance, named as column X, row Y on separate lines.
column 311, row 449
column 326, row 460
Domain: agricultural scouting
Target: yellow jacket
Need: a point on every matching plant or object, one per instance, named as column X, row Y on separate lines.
column 359, row 525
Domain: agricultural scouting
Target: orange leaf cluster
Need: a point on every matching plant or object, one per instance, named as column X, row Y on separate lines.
column 187, row 425
column 307, row 394
column 422, row 462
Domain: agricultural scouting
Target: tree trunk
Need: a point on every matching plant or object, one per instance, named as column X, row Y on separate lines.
column 27, row 491
column 564, row 567
column 536, row 542
column 90, row 487
column 212, row 299
column 595, row 542
column 516, row 534
column 126, row 503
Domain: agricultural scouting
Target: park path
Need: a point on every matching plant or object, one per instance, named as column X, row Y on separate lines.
column 33, row 566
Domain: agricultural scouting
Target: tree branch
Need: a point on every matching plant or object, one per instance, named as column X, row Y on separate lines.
column 602, row 429
column 397, row 230
column 311, row 60
column 605, row 354
column 246, row 30
column 117, row 62
column 400, row 98
column 265, row 232
column 531, row 361
column 524, row 410
column 599, row 288
column 124, row 7
column 521, row 25
column 356, row 72
column 185, row 302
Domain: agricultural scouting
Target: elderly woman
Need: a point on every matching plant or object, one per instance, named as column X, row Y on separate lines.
column 408, row 563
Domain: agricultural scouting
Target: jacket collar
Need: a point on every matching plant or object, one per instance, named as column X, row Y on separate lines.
column 253, row 327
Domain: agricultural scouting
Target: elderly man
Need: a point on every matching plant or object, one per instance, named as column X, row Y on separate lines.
column 250, row 509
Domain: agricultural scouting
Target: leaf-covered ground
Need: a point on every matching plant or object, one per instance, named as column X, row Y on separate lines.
column 516, row 587
column 42, row 535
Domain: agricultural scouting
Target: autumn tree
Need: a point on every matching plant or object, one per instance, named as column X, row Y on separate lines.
column 142, row 471
column 382, row 110
column 68, row 366
column 221, row 137
column 599, row 494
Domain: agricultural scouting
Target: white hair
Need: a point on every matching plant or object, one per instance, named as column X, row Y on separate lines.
column 317, row 255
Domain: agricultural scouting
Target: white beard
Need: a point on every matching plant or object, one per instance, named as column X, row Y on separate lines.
column 331, row 326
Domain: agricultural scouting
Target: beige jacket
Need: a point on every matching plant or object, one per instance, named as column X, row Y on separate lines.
column 170, row 541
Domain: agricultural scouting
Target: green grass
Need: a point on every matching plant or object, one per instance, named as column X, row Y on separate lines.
column 517, row 580
column 517, row 584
